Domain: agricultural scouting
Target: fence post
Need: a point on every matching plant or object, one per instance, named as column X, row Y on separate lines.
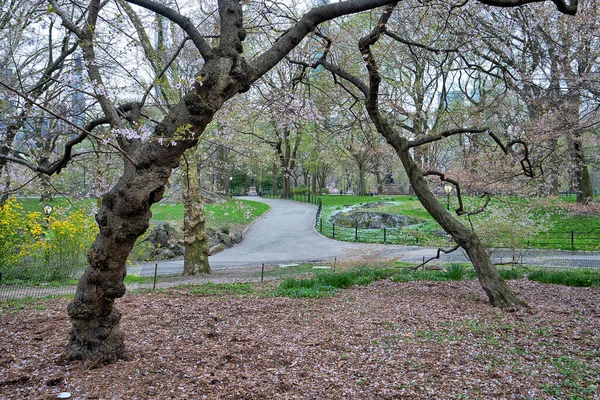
column 155, row 273
column 321, row 225
column 384, row 235
column 333, row 230
column 356, row 233
column 572, row 240
column 262, row 273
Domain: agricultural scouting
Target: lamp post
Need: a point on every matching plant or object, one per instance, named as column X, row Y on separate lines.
column 448, row 189
column 47, row 212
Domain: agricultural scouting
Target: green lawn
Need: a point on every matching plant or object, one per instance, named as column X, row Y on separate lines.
column 232, row 212
column 512, row 222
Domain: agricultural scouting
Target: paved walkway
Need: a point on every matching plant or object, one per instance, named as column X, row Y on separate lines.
column 285, row 234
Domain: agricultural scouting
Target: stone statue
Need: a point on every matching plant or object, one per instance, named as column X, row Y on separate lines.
column 387, row 178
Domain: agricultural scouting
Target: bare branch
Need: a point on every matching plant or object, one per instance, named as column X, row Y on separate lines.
column 57, row 166
column 564, row 6
column 525, row 162
column 307, row 24
column 164, row 70
column 438, row 255
column 183, row 22
column 451, row 132
column 419, row 45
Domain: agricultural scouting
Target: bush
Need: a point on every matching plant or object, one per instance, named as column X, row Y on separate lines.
column 300, row 190
column 567, row 277
column 456, row 272
column 509, row 274
column 34, row 252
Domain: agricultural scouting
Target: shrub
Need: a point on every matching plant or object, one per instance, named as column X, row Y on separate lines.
column 510, row 274
column 300, row 190
column 568, row 277
column 18, row 235
column 34, row 252
column 456, row 272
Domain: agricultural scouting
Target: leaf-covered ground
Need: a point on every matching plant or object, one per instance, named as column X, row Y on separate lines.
column 413, row 340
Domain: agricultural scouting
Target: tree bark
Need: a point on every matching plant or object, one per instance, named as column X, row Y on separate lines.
column 274, row 172
column 125, row 213
column 195, row 259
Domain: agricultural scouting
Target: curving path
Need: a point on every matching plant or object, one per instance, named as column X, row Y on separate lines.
column 285, row 234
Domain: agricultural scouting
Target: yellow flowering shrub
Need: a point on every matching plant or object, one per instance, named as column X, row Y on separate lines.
column 18, row 233
column 33, row 248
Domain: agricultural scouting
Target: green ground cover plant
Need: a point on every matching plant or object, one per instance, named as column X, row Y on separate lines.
column 569, row 277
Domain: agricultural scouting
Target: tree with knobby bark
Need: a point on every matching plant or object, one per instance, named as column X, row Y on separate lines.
column 95, row 335
column 195, row 240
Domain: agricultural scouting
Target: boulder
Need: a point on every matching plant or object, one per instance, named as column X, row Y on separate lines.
column 225, row 239
column 216, row 249
column 163, row 254
column 237, row 237
column 372, row 220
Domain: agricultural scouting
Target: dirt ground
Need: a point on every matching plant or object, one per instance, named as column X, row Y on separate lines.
column 415, row 340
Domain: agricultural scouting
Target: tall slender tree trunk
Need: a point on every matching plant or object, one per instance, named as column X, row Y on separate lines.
column 362, row 179
column 274, row 174
column 583, row 183
column 195, row 259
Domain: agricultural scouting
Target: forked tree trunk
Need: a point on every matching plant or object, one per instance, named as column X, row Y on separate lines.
column 195, row 260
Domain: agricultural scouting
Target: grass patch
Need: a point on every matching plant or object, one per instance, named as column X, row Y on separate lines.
column 129, row 279
column 568, row 277
column 578, row 379
column 287, row 272
column 456, row 272
column 220, row 289
column 37, row 303
column 453, row 272
column 327, row 283
column 545, row 223
column 510, row 274
column 230, row 212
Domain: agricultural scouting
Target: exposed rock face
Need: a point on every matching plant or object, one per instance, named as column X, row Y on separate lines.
column 161, row 243
column 372, row 220
column 165, row 242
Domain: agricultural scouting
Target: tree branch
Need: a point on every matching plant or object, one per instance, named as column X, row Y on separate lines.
column 438, row 254
column 451, row 132
column 184, row 23
column 564, row 6
column 57, row 166
column 307, row 24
